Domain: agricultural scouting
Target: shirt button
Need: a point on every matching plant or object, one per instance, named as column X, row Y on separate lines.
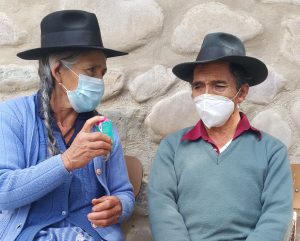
column 64, row 213
column 98, row 171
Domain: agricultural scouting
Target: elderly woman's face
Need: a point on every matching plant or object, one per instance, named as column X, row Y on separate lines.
column 92, row 63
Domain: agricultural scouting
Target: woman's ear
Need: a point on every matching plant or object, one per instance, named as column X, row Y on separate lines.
column 243, row 93
column 56, row 72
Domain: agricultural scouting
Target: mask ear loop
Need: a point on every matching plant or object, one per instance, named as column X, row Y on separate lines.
column 69, row 69
column 236, row 94
column 61, row 84
column 238, row 106
column 64, row 87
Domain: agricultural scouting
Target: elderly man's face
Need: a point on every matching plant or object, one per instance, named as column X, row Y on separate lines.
column 216, row 78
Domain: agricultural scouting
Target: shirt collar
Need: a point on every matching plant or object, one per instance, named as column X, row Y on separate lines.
column 199, row 130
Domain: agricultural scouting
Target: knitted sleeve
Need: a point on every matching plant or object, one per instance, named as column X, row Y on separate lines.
column 165, row 220
column 21, row 183
column 276, row 197
column 118, row 181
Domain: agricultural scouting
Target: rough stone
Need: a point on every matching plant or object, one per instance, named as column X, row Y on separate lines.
column 265, row 92
column 172, row 113
column 9, row 35
column 295, row 111
column 297, row 2
column 15, row 77
column 212, row 17
column 114, row 82
column 151, row 84
column 271, row 122
column 137, row 228
column 290, row 47
column 125, row 25
column 128, row 120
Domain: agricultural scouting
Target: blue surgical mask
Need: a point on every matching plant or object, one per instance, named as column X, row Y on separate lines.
column 88, row 94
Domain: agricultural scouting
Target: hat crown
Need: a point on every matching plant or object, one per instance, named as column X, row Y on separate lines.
column 69, row 20
column 218, row 45
column 70, row 28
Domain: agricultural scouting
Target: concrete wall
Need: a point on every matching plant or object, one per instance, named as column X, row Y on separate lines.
column 142, row 96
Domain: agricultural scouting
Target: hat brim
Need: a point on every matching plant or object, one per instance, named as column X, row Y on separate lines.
column 253, row 67
column 37, row 53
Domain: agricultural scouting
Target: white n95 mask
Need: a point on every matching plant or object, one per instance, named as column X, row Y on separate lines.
column 214, row 110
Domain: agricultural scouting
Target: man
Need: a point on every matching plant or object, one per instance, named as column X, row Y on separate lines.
column 221, row 179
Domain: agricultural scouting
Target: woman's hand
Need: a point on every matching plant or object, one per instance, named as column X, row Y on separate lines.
column 86, row 146
column 106, row 211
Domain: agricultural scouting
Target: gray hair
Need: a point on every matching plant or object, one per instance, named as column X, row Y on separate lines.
column 47, row 83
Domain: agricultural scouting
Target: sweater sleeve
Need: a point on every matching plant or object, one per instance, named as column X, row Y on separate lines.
column 118, row 181
column 165, row 220
column 20, row 183
column 276, row 198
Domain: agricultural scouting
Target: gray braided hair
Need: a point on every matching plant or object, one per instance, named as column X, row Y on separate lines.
column 47, row 83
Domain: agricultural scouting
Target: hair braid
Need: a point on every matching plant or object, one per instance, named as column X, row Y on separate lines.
column 46, row 87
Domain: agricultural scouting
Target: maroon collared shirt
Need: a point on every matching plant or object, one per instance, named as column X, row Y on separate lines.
column 199, row 131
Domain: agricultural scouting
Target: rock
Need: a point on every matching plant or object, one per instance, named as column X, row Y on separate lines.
column 114, row 83
column 212, row 17
column 272, row 123
column 155, row 82
column 295, row 111
column 9, row 35
column 16, row 77
column 137, row 228
column 265, row 92
column 297, row 2
column 290, row 47
column 125, row 25
column 172, row 113
column 128, row 120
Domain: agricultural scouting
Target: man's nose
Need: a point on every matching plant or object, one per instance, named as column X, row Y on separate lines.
column 208, row 89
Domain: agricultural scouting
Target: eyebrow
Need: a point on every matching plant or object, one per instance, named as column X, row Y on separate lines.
column 198, row 82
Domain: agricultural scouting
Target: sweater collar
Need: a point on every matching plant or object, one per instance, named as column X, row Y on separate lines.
column 199, row 130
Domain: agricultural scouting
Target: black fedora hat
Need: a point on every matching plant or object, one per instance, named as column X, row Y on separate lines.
column 224, row 47
column 69, row 30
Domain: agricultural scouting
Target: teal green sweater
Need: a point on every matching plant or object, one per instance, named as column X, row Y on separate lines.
column 244, row 193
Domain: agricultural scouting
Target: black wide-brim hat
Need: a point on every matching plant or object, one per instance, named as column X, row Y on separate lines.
column 228, row 48
column 69, row 30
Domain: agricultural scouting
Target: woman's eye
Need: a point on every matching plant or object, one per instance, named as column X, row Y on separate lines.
column 92, row 69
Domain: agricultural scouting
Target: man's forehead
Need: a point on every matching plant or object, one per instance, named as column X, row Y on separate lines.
column 213, row 66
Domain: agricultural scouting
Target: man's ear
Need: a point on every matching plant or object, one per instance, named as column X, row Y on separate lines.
column 243, row 93
column 56, row 72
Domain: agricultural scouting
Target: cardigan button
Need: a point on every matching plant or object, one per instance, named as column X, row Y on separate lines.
column 98, row 171
column 64, row 213
column 19, row 225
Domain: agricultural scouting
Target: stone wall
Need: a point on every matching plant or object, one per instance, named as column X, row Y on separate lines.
column 143, row 97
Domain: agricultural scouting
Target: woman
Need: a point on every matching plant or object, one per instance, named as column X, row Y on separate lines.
column 59, row 179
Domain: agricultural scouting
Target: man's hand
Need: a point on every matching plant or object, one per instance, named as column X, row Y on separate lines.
column 106, row 211
column 86, row 146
